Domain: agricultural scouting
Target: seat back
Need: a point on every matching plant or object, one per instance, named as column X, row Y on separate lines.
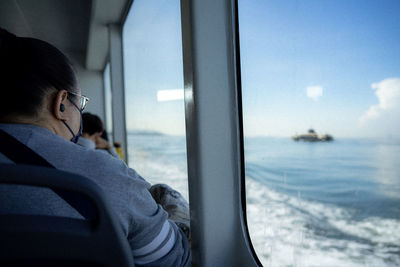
column 38, row 240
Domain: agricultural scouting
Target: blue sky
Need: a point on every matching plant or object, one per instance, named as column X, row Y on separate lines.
column 330, row 65
column 153, row 62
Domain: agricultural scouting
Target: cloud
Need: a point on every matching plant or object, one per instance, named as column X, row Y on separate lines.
column 314, row 92
column 388, row 94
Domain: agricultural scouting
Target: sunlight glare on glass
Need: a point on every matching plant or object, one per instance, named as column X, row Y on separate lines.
column 170, row 95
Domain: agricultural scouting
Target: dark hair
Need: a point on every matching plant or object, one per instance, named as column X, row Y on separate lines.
column 91, row 124
column 104, row 135
column 29, row 70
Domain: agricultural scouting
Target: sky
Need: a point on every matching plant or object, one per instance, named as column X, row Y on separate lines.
column 330, row 65
column 152, row 45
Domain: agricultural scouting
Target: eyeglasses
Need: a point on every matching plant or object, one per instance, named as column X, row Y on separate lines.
column 83, row 100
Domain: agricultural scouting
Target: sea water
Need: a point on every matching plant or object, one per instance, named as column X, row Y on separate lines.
column 308, row 204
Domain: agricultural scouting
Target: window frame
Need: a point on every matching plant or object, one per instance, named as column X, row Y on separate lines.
column 215, row 133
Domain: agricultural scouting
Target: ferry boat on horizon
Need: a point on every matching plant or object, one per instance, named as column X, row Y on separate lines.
column 312, row 136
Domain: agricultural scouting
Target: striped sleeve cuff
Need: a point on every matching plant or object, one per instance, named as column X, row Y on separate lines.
column 158, row 247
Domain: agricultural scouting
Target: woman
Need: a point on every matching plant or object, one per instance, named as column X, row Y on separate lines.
column 41, row 106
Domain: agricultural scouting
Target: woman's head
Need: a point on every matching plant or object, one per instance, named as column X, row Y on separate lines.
column 38, row 83
column 31, row 69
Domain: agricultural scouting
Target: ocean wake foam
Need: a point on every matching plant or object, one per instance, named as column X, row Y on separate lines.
column 290, row 231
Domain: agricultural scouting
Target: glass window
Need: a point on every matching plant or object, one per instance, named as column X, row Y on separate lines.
column 108, row 102
column 155, row 115
column 321, row 113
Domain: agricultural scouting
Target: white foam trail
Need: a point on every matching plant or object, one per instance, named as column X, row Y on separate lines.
column 158, row 170
column 290, row 231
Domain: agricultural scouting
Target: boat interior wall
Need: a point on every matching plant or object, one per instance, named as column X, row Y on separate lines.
column 104, row 13
column 63, row 23
column 92, row 84
column 76, row 27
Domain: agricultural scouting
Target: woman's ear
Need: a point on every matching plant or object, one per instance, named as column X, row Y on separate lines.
column 60, row 105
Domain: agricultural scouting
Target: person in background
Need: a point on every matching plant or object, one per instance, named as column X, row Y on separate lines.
column 92, row 135
column 117, row 145
column 41, row 107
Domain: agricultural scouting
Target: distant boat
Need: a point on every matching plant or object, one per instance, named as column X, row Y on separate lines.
column 312, row 136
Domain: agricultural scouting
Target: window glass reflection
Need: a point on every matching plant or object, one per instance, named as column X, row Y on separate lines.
column 108, row 102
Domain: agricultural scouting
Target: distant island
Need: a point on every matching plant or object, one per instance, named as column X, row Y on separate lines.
column 145, row 132
column 312, row 136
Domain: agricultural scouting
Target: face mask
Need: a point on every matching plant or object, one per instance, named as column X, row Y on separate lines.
column 75, row 138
